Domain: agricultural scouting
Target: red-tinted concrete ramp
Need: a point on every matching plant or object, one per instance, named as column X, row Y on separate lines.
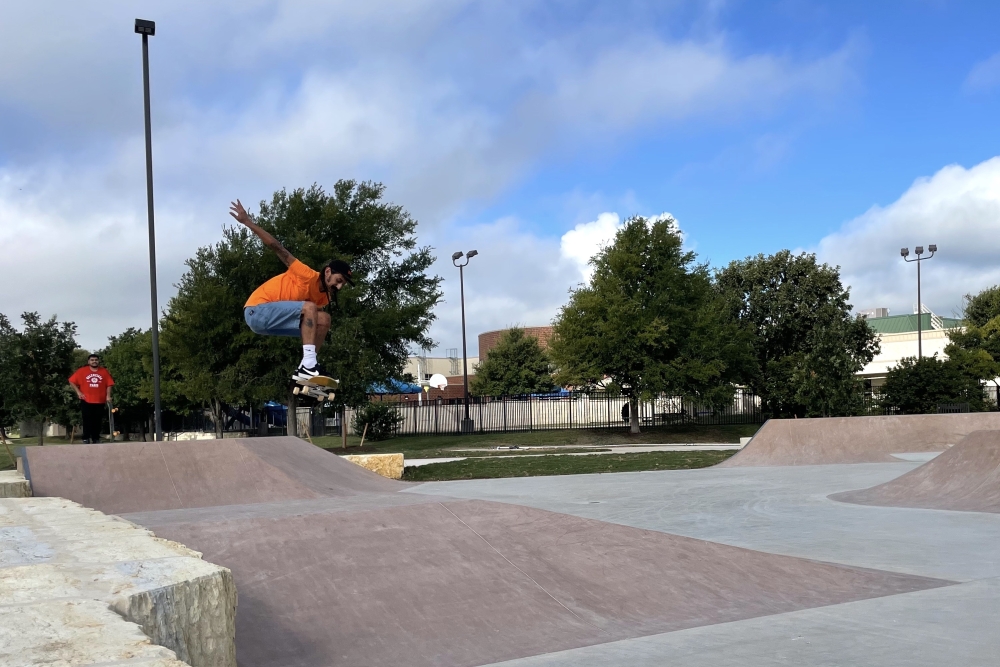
column 145, row 476
column 966, row 477
column 788, row 442
column 462, row 583
column 333, row 566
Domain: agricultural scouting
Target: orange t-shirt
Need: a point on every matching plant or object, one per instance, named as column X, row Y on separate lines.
column 298, row 283
column 92, row 384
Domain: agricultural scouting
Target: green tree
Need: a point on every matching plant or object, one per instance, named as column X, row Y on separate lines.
column 10, row 395
column 128, row 357
column 975, row 347
column 806, row 346
column 648, row 321
column 211, row 357
column 42, row 363
column 517, row 365
column 920, row 386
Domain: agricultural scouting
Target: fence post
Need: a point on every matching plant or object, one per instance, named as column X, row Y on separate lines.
column 503, row 402
column 531, row 423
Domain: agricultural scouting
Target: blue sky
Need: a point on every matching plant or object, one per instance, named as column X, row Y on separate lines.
column 525, row 130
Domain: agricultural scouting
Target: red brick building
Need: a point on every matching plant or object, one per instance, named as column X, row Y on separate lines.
column 489, row 339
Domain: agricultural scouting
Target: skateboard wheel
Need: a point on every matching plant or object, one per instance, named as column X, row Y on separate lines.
column 297, row 390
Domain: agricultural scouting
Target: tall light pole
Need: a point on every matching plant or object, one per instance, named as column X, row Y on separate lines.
column 918, row 251
column 148, row 29
column 467, row 426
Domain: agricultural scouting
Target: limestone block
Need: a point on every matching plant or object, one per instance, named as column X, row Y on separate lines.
column 14, row 485
column 387, row 465
column 75, row 632
column 52, row 549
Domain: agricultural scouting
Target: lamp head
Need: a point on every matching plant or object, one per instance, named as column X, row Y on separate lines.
column 471, row 253
column 144, row 27
column 904, row 252
column 932, row 247
column 456, row 256
column 919, row 250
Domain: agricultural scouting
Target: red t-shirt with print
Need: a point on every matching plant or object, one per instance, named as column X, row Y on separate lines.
column 93, row 384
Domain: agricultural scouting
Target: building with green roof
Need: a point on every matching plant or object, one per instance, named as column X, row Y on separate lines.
column 898, row 339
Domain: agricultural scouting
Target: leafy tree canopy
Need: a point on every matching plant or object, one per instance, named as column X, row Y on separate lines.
column 983, row 307
column 648, row 321
column 806, row 346
column 128, row 357
column 9, row 383
column 920, row 386
column 39, row 360
column 976, row 346
column 210, row 355
column 516, row 365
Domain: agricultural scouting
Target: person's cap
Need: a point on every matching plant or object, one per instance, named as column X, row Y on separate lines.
column 343, row 268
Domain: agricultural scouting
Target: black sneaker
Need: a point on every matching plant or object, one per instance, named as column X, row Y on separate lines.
column 303, row 374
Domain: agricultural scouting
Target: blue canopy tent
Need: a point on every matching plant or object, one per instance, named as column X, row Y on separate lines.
column 394, row 387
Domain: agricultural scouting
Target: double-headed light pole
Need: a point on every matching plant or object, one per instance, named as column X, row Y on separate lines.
column 467, row 426
column 918, row 251
column 147, row 29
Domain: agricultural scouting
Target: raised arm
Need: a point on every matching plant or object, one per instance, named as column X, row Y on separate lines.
column 237, row 211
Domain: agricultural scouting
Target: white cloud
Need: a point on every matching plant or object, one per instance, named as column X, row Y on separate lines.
column 958, row 209
column 253, row 96
column 984, row 75
column 587, row 239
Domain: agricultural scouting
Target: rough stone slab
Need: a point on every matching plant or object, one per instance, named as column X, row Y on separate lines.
column 55, row 551
column 387, row 465
column 14, row 485
column 61, row 633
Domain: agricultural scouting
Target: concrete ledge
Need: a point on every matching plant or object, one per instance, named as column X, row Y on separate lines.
column 14, row 485
column 98, row 586
column 387, row 465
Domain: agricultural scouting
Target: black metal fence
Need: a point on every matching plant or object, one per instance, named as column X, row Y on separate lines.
column 495, row 414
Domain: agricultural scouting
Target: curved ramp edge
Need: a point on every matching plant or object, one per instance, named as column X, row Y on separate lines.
column 830, row 440
column 964, row 478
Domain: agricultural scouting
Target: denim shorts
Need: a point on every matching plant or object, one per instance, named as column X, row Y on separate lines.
column 277, row 318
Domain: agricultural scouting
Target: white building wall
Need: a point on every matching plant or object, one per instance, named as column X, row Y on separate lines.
column 446, row 366
column 895, row 347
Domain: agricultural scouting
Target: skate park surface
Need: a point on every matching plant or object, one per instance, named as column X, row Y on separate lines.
column 750, row 564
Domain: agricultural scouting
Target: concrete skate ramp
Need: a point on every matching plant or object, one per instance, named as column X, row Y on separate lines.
column 334, row 566
column 787, row 442
column 966, row 477
column 145, row 476
column 455, row 583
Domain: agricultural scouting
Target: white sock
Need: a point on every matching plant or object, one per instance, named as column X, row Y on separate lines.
column 309, row 356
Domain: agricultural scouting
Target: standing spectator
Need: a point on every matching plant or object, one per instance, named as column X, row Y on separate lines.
column 92, row 384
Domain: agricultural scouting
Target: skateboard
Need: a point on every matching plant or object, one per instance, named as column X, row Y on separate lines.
column 319, row 387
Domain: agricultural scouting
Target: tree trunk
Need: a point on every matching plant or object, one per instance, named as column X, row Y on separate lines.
column 41, row 432
column 633, row 413
column 217, row 416
column 292, row 418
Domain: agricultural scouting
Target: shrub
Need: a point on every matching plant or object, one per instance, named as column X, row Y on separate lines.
column 382, row 419
column 920, row 386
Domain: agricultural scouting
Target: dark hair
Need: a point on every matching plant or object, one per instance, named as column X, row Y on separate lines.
column 93, row 356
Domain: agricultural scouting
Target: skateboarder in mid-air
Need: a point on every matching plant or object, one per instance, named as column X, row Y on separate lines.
column 289, row 304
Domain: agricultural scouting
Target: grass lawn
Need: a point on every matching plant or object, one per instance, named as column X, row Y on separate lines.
column 440, row 446
column 531, row 466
